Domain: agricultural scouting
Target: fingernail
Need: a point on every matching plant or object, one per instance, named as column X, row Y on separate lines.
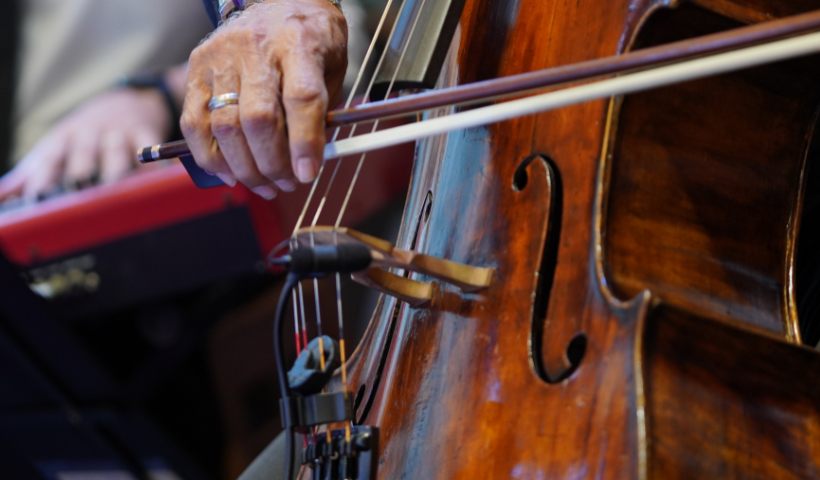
column 305, row 170
column 227, row 179
column 265, row 192
column 285, row 185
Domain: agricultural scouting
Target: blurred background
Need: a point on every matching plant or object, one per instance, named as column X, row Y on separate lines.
column 135, row 309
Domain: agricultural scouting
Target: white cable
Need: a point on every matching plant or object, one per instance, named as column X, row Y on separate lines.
column 681, row 72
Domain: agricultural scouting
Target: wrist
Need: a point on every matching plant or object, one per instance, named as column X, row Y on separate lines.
column 176, row 78
column 161, row 88
column 227, row 7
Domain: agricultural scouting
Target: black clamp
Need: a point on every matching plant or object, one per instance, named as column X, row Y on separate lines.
column 318, row 409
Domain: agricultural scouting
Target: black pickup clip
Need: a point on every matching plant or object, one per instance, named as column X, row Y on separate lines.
column 308, row 375
column 319, row 409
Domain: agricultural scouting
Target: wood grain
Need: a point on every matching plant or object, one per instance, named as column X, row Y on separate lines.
column 677, row 226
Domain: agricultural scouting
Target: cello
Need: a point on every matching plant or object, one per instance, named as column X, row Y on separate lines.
column 641, row 319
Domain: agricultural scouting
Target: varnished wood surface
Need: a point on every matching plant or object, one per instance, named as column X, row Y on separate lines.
column 465, row 387
column 724, row 402
column 752, row 11
column 705, row 183
column 644, row 58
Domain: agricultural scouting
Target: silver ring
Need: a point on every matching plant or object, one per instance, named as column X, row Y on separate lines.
column 223, row 100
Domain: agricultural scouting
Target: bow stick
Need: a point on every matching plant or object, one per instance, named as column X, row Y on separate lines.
column 741, row 48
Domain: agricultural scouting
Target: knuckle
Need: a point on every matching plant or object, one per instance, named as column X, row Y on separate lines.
column 256, row 35
column 225, row 126
column 305, row 91
column 295, row 21
column 189, row 124
column 186, row 128
column 198, row 54
column 259, row 121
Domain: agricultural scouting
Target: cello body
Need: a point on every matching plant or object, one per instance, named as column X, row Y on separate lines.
column 641, row 321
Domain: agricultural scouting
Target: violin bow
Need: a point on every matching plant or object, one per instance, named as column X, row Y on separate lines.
column 644, row 69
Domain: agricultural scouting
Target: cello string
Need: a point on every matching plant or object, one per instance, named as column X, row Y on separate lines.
column 366, row 95
column 366, row 60
column 318, row 318
column 620, row 85
column 323, row 202
column 321, row 339
column 339, row 309
column 376, row 123
column 304, row 325
column 296, row 324
column 369, row 88
column 350, row 191
column 300, row 331
column 359, row 167
column 348, row 102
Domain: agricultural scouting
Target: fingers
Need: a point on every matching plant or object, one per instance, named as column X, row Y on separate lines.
column 227, row 130
column 12, row 183
column 115, row 156
column 226, row 127
column 252, row 140
column 305, row 100
column 44, row 166
column 117, row 152
column 196, row 127
column 73, row 159
column 216, row 138
column 263, row 122
column 89, row 154
column 81, row 159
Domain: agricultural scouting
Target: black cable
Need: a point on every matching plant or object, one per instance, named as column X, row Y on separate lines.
column 278, row 350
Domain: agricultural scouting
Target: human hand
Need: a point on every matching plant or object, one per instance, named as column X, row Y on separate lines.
column 287, row 61
column 98, row 138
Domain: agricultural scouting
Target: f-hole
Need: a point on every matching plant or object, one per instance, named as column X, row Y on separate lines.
column 421, row 223
column 807, row 261
column 357, row 402
column 546, row 272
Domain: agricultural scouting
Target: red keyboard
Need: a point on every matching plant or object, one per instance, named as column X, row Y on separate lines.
column 155, row 233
